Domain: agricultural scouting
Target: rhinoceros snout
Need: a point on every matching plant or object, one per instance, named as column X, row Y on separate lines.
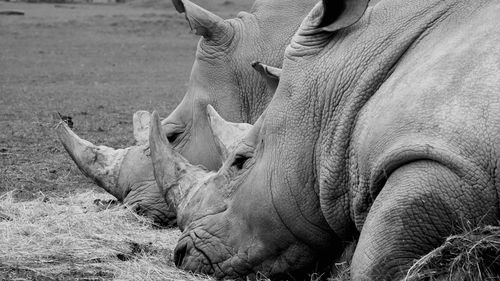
column 190, row 256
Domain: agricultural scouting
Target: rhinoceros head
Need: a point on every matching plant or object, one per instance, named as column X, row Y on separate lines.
column 231, row 225
column 222, row 77
column 124, row 173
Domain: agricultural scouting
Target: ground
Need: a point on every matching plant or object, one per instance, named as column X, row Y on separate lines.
column 98, row 64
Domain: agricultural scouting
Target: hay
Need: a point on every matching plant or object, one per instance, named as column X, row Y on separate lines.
column 72, row 239
column 474, row 255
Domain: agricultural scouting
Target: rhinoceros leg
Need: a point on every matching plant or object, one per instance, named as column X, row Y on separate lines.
column 420, row 204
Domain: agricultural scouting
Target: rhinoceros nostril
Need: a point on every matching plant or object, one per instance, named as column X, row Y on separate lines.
column 180, row 253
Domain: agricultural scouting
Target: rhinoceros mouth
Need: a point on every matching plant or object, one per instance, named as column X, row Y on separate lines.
column 191, row 258
column 200, row 252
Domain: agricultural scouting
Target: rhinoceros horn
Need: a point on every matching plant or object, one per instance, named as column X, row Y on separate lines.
column 177, row 179
column 203, row 22
column 227, row 133
column 100, row 163
column 141, row 120
column 166, row 168
column 174, row 175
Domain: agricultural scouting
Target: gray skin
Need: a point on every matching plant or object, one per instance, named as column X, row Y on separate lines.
column 387, row 130
column 222, row 76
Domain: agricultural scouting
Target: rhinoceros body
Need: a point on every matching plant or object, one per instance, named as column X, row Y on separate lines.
column 384, row 128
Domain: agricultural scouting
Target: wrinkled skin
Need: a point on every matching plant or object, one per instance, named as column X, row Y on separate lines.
column 222, row 76
column 386, row 130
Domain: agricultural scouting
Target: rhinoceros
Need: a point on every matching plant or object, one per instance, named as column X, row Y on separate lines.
column 221, row 76
column 384, row 126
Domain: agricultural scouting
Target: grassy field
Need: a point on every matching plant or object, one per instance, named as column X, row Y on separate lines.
column 98, row 64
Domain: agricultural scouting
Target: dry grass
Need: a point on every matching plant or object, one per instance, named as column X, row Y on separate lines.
column 341, row 269
column 72, row 238
column 474, row 255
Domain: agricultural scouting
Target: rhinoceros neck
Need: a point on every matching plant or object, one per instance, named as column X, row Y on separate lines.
column 282, row 10
column 359, row 60
column 276, row 22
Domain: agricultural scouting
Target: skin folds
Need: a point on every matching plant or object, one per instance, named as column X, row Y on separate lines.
column 383, row 129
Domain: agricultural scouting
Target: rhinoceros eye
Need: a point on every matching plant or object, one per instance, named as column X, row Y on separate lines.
column 173, row 136
column 239, row 161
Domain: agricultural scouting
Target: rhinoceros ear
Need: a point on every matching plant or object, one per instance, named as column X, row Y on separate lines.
column 141, row 120
column 203, row 22
column 271, row 74
column 269, row 71
column 340, row 14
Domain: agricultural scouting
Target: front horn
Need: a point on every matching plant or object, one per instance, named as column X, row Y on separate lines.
column 168, row 165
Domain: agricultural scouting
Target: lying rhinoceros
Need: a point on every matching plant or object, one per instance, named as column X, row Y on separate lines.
column 384, row 126
column 221, row 76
